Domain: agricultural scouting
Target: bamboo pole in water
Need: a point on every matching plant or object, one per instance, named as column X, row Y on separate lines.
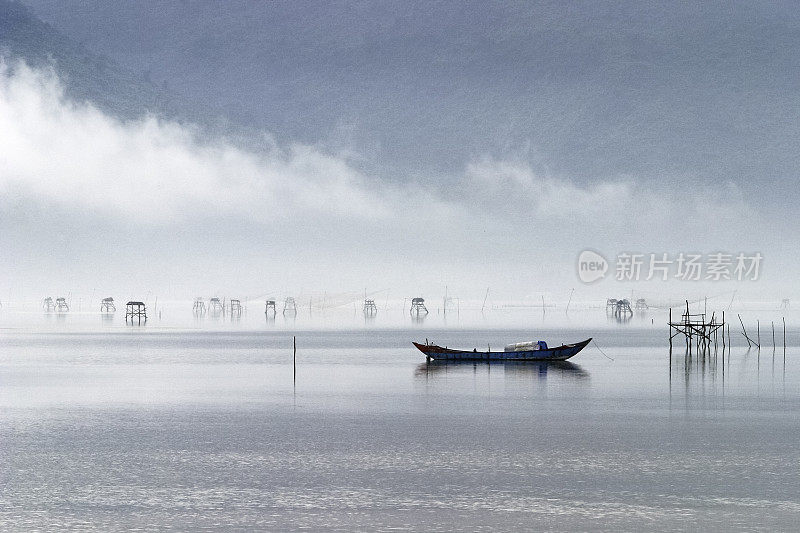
column 744, row 331
column 784, row 338
column 758, row 333
column 670, row 332
column 729, row 340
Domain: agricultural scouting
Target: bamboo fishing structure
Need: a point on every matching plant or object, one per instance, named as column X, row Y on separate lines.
column 135, row 311
column 698, row 332
column 107, row 305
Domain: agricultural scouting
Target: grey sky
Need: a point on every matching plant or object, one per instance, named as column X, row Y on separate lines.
column 590, row 90
column 546, row 113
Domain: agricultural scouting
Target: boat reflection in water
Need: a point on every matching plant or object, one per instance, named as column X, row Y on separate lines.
column 521, row 369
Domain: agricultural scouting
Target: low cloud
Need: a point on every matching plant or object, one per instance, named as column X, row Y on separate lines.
column 516, row 185
column 70, row 155
column 73, row 154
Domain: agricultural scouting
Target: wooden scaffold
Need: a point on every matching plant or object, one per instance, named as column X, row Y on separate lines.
column 135, row 311
column 623, row 308
column 48, row 305
column 107, row 305
column 216, row 307
column 370, row 309
column 289, row 306
column 61, row 305
column 199, row 307
column 235, row 307
column 619, row 308
column 696, row 330
column 418, row 306
column 270, row 308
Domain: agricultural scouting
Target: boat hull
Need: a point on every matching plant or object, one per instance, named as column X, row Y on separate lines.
column 559, row 353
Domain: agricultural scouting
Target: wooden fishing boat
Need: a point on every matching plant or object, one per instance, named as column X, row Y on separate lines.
column 559, row 353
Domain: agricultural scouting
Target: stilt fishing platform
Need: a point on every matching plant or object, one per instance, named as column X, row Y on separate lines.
column 696, row 329
column 418, row 306
column 289, row 306
column 135, row 311
column 61, row 305
column 107, row 305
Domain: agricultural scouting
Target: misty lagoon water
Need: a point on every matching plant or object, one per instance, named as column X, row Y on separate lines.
column 202, row 424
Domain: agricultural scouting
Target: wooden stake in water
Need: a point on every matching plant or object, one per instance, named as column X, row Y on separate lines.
column 294, row 356
column 670, row 333
column 729, row 340
column 744, row 331
column 758, row 333
column 773, row 336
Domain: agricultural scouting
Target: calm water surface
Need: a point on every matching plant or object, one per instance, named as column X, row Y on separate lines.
column 192, row 426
